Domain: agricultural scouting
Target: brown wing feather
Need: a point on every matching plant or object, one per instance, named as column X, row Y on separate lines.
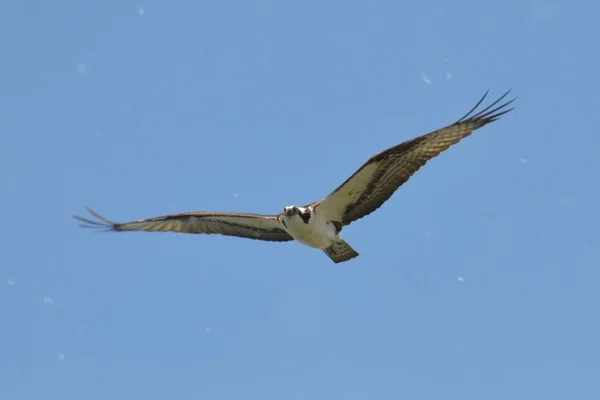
column 251, row 226
column 375, row 182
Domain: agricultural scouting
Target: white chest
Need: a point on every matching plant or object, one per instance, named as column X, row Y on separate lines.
column 318, row 232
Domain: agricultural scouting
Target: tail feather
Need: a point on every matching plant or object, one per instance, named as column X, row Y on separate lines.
column 340, row 252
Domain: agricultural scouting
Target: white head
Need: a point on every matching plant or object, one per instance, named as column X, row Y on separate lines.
column 290, row 212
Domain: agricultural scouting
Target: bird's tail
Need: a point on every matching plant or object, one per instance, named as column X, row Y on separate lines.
column 340, row 251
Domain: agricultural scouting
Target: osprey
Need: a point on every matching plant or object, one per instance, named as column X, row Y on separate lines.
column 319, row 224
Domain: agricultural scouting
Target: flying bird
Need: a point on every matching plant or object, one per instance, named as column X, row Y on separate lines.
column 319, row 224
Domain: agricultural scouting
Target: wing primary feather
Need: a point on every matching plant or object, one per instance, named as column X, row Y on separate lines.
column 106, row 225
column 101, row 218
column 488, row 114
column 486, row 111
column 494, row 115
column 475, row 106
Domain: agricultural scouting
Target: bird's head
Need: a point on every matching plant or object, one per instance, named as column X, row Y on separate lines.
column 303, row 213
column 290, row 211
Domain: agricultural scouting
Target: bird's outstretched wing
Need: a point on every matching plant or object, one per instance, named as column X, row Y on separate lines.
column 375, row 182
column 251, row 226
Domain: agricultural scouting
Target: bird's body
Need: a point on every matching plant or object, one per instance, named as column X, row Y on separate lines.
column 318, row 225
column 309, row 228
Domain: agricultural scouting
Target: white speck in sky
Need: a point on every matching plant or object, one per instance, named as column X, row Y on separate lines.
column 236, row 195
column 11, row 282
column 48, row 300
column 449, row 75
column 207, row 329
column 523, row 160
column 61, row 356
column 425, row 78
column 80, row 69
column 461, row 279
column 141, row 10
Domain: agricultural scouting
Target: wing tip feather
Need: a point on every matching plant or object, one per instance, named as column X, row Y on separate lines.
column 103, row 224
column 490, row 113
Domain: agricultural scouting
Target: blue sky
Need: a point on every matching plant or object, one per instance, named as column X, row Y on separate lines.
column 477, row 280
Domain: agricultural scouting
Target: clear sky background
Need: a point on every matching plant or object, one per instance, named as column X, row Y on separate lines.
column 477, row 280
